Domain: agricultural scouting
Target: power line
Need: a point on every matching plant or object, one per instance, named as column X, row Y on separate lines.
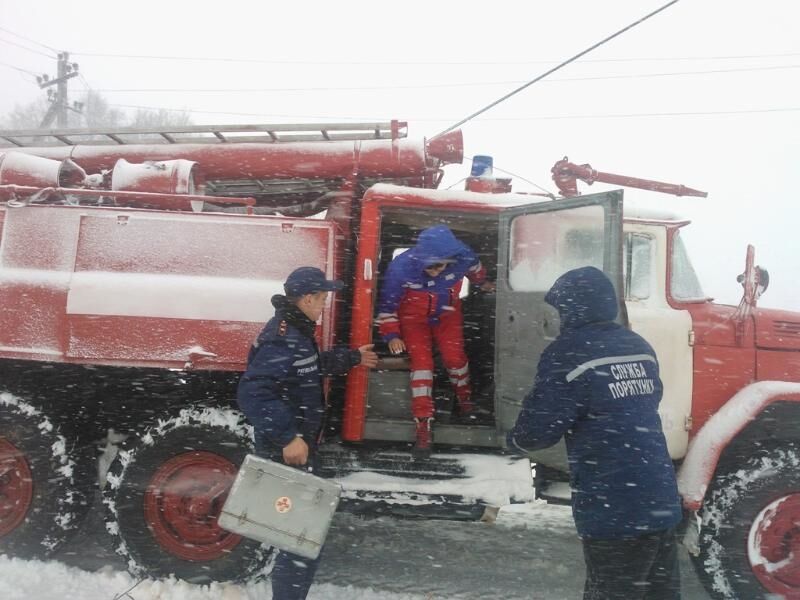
column 426, row 63
column 85, row 83
column 485, row 119
column 557, row 67
column 678, row 73
column 442, row 85
column 696, row 113
column 28, row 39
column 515, row 176
column 26, row 48
column 240, row 114
column 692, row 58
column 656, row 114
column 19, row 69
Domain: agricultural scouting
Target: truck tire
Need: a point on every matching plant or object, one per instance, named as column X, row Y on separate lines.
column 165, row 491
column 749, row 536
column 43, row 498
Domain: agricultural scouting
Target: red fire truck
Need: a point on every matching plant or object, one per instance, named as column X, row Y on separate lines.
column 136, row 268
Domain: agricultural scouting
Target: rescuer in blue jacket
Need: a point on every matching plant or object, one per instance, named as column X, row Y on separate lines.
column 282, row 396
column 598, row 386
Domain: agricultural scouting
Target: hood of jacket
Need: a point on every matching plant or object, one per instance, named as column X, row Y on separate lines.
column 436, row 244
column 583, row 296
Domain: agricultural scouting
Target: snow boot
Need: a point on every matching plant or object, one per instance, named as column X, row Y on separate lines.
column 463, row 412
column 422, row 445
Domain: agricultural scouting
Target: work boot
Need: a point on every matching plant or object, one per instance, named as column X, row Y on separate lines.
column 422, row 445
column 465, row 407
column 463, row 412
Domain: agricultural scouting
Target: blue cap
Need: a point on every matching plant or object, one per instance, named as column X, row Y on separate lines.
column 309, row 280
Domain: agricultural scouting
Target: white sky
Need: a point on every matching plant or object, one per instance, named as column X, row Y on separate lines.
column 731, row 129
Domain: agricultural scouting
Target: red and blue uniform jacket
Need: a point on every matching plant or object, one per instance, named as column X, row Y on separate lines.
column 408, row 292
column 598, row 386
column 281, row 392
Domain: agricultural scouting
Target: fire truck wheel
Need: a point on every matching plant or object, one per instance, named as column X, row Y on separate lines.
column 749, row 537
column 43, row 500
column 165, row 491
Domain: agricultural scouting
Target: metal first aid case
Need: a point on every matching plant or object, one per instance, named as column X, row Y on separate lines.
column 284, row 507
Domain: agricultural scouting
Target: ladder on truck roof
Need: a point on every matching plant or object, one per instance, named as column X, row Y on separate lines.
column 206, row 134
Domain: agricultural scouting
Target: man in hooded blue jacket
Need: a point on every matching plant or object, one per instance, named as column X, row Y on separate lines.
column 598, row 386
column 420, row 305
column 282, row 396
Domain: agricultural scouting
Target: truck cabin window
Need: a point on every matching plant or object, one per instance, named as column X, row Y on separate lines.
column 543, row 246
column 684, row 284
column 637, row 266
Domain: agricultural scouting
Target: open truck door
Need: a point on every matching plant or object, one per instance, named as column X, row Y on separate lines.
column 537, row 244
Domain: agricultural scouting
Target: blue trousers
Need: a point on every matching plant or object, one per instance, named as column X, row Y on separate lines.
column 642, row 568
column 292, row 576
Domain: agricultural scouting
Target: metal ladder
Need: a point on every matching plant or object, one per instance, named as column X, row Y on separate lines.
column 206, row 134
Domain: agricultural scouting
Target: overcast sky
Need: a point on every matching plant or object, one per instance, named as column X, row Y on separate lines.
column 706, row 93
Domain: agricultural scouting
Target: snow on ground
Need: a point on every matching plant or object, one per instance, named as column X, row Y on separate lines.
column 36, row 580
column 53, row 580
column 531, row 552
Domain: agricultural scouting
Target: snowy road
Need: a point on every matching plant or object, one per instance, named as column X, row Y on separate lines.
column 531, row 552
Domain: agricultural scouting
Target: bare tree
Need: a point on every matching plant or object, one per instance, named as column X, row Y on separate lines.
column 94, row 112
column 158, row 118
column 98, row 113
column 26, row 116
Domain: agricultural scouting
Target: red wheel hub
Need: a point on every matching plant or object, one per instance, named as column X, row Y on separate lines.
column 182, row 503
column 16, row 487
column 774, row 546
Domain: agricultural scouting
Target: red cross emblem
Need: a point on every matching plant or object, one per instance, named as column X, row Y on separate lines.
column 283, row 504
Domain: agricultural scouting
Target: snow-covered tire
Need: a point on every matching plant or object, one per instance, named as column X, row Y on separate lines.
column 165, row 491
column 749, row 535
column 43, row 498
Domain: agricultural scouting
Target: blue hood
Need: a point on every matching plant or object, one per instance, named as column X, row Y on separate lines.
column 436, row 244
column 583, row 296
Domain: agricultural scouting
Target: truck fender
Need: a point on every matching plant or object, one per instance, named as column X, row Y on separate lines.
column 706, row 447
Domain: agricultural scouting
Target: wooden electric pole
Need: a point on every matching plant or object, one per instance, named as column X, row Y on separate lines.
column 59, row 103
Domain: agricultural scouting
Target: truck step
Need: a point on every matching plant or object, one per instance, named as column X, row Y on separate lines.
column 453, row 486
column 336, row 462
column 411, row 506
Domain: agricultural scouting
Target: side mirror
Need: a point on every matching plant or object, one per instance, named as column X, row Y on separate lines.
column 755, row 279
column 762, row 281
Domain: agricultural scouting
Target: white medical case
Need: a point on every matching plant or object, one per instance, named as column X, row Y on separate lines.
column 287, row 508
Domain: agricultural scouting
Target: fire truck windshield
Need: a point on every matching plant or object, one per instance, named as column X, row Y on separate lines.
column 684, row 284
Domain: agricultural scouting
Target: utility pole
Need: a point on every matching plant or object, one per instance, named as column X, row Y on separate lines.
column 58, row 98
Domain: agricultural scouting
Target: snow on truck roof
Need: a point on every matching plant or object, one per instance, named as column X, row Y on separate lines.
column 448, row 196
column 636, row 208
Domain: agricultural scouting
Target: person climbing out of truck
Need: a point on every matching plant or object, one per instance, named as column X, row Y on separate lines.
column 598, row 386
column 419, row 305
column 281, row 394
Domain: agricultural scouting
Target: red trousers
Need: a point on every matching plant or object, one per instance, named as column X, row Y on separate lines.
column 419, row 337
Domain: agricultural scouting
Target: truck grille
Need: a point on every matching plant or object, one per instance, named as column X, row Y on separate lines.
column 784, row 328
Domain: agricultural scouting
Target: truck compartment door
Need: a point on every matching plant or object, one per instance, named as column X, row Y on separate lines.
column 170, row 289
column 537, row 244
